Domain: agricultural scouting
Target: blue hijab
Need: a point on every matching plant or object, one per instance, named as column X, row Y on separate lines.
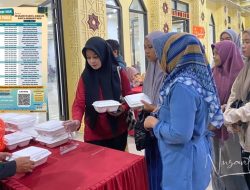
column 183, row 58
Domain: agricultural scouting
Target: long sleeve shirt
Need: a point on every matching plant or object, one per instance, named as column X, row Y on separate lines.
column 183, row 140
column 102, row 130
column 7, row 169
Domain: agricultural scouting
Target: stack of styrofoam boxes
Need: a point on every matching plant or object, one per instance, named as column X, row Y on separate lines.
column 6, row 117
column 18, row 122
column 16, row 139
column 36, row 154
column 51, row 133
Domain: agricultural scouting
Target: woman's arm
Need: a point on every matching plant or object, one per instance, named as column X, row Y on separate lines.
column 231, row 115
column 126, row 89
column 78, row 109
column 232, row 96
column 183, row 107
column 234, row 115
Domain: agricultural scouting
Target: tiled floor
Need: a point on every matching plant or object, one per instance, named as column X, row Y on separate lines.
column 131, row 148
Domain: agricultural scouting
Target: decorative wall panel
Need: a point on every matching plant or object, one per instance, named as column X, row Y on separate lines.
column 76, row 32
column 159, row 14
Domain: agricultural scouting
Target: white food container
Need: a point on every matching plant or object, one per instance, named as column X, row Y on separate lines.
column 7, row 116
column 50, row 128
column 106, row 106
column 30, row 131
column 134, row 100
column 36, row 154
column 53, row 142
column 17, row 139
column 18, row 121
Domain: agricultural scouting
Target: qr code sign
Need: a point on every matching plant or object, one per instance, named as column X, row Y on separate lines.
column 23, row 98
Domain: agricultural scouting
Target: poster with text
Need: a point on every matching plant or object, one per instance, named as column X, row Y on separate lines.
column 23, row 59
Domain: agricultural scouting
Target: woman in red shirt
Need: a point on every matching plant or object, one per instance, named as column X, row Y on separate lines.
column 100, row 81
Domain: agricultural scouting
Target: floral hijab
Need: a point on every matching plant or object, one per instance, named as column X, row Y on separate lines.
column 183, row 58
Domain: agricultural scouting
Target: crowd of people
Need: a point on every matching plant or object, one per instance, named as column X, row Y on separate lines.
column 199, row 115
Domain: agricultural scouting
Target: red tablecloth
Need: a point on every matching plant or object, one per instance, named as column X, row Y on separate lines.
column 87, row 167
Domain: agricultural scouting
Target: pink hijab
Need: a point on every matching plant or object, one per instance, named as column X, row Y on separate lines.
column 131, row 72
column 228, row 70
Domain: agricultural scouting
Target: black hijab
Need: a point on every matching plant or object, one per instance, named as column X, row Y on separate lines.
column 106, row 78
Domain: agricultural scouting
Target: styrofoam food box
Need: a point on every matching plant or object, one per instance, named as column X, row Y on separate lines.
column 19, row 121
column 30, row 131
column 106, row 106
column 17, row 139
column 53, row 142
column 36, row 154
column 134, row 100
column 7, row 116
column 50, row 128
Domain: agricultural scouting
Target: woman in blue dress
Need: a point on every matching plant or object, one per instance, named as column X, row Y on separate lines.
column 188, row 105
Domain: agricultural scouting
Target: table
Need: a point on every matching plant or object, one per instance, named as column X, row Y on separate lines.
column 87, row 167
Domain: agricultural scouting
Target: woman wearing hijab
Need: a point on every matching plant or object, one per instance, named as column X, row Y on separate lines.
column 131, row 72
column 188, row 104
column 100, row 81
column 231, row 35
column 154, row 74
column 228, row 63
column 151, row 87
column 133, row 76
column 238, row 117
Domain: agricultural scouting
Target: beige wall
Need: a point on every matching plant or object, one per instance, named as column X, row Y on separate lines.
column 247, row 22
column 126, row 33
column 77, row 31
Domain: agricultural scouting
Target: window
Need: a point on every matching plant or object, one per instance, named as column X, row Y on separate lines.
column 174, row 5
column 212, row 29
column 114, row 21
column 211, row 36
column 180, row 25
column 137, row 18
column 180, row 18
column 182, row 6
column 57, row 86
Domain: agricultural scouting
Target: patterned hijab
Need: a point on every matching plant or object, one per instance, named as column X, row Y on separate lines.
column 183, row 57
column 105, row 79
column 154, row 75
column 228, row 70
column 234, row 36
